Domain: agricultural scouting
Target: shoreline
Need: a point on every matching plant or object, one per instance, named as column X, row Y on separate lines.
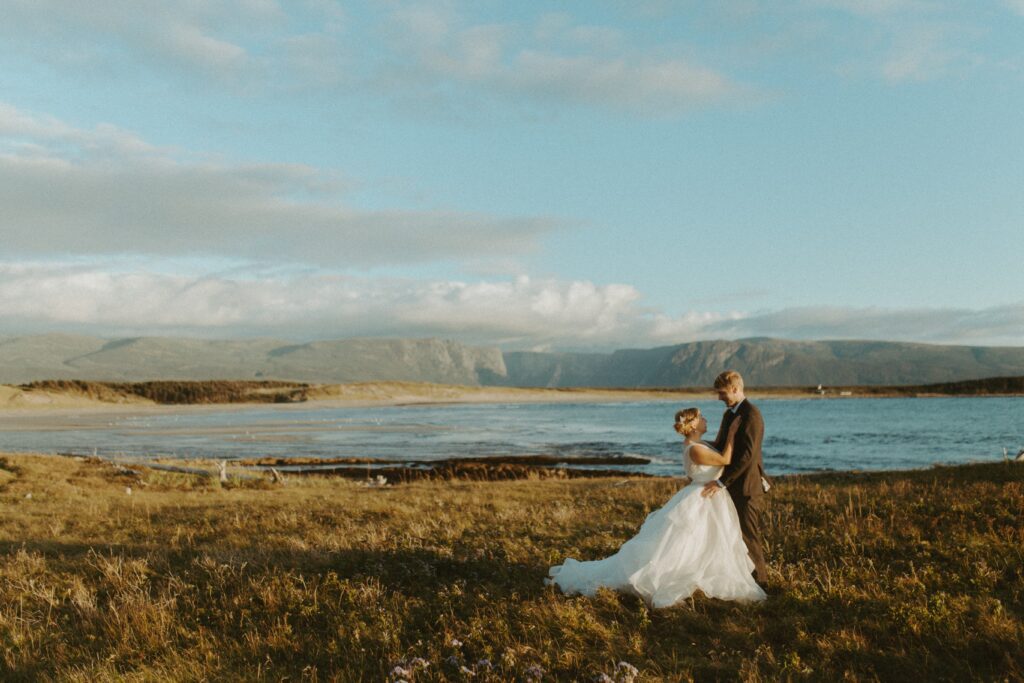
column 21, row 401
column 470, row 468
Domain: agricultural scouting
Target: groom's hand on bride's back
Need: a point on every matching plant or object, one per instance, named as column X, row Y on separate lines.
column 710, row 489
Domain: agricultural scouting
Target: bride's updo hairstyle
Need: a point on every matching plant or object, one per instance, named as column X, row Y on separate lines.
column 687, row 420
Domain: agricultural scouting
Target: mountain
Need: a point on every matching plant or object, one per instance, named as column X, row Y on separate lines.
column 762, row 362
column 24, row 359
column 43, row 355
column 767, row 362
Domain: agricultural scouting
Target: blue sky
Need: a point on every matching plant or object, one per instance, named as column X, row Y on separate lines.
column 570, row 175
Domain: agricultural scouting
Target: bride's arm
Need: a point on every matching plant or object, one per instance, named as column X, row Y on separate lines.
column 705, row 455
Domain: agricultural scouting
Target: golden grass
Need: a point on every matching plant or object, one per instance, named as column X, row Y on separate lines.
column 913, row 575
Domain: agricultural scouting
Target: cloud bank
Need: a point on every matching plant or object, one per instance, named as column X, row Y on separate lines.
column 440, row 49
column 453, row 52
column 106, row 191
column 520, row 313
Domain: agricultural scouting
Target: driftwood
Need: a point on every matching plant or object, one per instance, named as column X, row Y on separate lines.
column 278, row 478
column 175, row 468
column 378, row 482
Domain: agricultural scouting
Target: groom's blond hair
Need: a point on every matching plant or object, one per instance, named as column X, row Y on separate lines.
column 730, row 379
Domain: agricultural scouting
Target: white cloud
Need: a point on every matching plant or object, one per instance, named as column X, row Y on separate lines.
column 874, row 7
column 553, row 62
column 237, row 43
column 178, row 33
column 188, row 43
column 431, row 51
column 923, row 53
column 996, row 325
column 636, row 84
column 516, row 313
column 902, row 41
column 521, row 311
column 314, row 60
column 103, row 191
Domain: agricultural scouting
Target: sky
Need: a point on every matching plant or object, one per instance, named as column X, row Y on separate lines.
column 558, row 175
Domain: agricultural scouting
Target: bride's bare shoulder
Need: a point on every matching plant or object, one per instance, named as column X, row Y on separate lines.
column 703, row 454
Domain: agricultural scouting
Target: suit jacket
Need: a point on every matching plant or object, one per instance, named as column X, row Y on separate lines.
column 743, row 475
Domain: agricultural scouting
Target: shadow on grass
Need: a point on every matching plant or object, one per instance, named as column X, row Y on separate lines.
column 342, row 610
column 399, row 569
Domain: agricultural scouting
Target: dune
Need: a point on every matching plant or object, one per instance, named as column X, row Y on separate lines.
column 17, row 398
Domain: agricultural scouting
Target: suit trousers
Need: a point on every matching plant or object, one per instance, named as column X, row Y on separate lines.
column 750, row 512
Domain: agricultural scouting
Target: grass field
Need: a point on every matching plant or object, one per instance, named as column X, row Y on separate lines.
column 884, row 576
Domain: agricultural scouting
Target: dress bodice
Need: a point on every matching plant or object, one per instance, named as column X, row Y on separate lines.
column 700, row 474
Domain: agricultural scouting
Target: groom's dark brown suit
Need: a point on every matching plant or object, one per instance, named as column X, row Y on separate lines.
column 742, row 477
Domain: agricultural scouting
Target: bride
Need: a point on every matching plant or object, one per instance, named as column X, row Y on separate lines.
column 691, row 543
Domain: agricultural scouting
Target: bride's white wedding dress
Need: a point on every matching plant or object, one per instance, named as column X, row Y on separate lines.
column 691, row 543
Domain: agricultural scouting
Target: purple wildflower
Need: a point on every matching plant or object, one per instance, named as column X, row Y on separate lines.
column 534, row 673
column 626, row 672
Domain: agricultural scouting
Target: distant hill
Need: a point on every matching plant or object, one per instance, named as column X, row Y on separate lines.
column 767, row 362
column 991, row 386
column 43, row 357
column 763, row 362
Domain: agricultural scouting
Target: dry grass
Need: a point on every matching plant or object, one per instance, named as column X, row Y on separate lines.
column 913, row 576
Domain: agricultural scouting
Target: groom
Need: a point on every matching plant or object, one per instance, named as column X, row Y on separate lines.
column 744, row 476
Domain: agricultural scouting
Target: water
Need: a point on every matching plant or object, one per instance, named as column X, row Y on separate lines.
column 801, row 435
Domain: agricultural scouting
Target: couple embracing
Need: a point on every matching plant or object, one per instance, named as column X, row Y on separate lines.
column 709, row 535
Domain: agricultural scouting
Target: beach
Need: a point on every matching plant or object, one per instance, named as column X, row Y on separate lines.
column 356, row 394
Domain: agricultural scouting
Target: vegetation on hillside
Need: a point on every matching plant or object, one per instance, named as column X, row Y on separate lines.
column 108, row 574
column 184, row 392
column 991, row 386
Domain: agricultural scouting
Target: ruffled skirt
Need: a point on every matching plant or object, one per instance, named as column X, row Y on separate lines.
column 691, row 543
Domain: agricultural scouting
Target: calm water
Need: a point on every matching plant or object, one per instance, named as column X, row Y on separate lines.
column 801, row 435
